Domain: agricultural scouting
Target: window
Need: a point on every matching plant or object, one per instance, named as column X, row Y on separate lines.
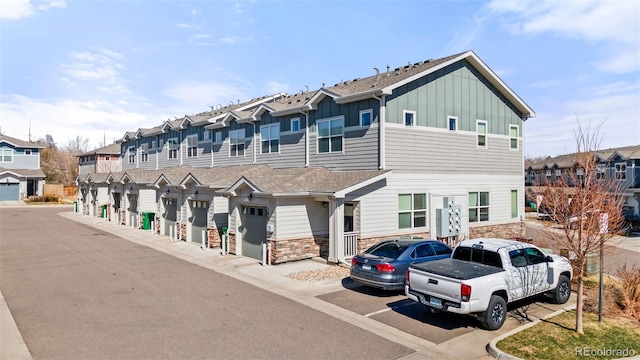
column 513, row 137
column 160, row 144
column 218, row 137
column 6, row 155
column 478, row 206
column 409, row 117
column 192, row 146
column 270, row 138
column 514, row 204
column 421, row 251
column 236, row 142
column 534, row 256
column 412, row 210
column 518, row 259
column 27, row 152
column 131, row 154
column 558, row 173
column 199, row 204
column 621, row 171
column 295, row 124
column 601, row 171
column 207, row 135
column 106, row 157
column 365, row 117
column 453, row 123
column 153, row 144
column 173, row 148
column 548, row 173
column 330, row 136
column 481, row 129
column 144, row 152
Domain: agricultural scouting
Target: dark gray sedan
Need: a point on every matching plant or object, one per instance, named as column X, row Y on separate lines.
column 385, row 264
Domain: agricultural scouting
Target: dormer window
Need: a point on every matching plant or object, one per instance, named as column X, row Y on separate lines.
column 295, row 124
column 192, row 145
column 173, row 148
column 270, row 138
column 236, row 142
column 365, row 117
column 131, row 154
column 621, row 171
column 409, row 117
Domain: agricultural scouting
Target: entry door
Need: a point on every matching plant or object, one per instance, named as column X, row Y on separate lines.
column 198, row 219
column 169, row 214
column 254, row 231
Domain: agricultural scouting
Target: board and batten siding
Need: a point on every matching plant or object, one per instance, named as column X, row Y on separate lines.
column 300, row 218
column 429, row 150
column 379, row 204
column 456, row 90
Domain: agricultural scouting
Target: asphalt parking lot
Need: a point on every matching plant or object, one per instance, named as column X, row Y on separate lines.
column 392, row 308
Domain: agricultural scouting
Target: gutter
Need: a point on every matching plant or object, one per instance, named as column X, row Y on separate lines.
column 382, row 136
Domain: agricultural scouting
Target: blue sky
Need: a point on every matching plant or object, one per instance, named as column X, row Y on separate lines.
column 97, row 69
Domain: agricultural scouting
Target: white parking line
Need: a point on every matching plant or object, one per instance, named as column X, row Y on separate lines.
column 391, row 308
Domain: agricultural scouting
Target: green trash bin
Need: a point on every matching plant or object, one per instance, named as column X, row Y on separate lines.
column 75, row 206
column 103, row 211
column 147, row 219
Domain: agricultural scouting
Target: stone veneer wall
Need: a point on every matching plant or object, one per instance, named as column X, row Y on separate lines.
column 182, row 231
column 232, row 243
column 215, row 237
column 504, row 231
column 299, row 249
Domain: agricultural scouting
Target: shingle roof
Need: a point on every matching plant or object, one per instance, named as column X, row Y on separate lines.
column 29, row 173
column 20, row 143
column 568, row 160
column 112, row 149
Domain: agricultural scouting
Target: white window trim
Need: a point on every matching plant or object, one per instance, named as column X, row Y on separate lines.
column 478, row 207
column 516, row 138
column 244, row 140
column 2, row 151
column 131, row 150
column 486, row 131
column 318, row 136
column 193, row 145
column 413, row 211
column 456, row 122
column 27, row 152
column 206, row 136
column 261, row 139
column 370, row 112
column 615, row 167
column 404, row 117
column 170, row 150
column 297, row 119
column 217, row 139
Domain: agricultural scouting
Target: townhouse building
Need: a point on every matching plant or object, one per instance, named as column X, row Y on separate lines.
column 20, row 172
column 431, row 149
column 621, row 164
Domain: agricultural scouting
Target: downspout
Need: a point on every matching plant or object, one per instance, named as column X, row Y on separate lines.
column 180, row 147
column 253, row 145
column 306, row 137
column 382, row 156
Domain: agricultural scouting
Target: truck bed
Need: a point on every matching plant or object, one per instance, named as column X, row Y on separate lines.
column 457, row 269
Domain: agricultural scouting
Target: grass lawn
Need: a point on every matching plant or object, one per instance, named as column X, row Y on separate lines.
column 555, row 339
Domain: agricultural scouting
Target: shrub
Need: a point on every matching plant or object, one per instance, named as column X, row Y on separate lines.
column 630, row 294
column 35, row 198
column 51, row 198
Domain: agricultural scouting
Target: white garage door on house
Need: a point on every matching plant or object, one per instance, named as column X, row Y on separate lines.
column 9, row 192
column 254, row 232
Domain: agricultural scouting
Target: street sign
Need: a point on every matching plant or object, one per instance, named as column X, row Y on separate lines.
column 604, row 223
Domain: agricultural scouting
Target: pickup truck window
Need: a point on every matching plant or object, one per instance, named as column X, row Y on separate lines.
column 535, row 256
column 478, row 256
column 518, row 259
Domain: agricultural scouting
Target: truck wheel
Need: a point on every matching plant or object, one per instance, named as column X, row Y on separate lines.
column 562, row 292
column 496, row 313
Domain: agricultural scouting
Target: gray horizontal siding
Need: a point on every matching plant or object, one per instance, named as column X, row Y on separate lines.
column 203, row 158
column 451, row 152
column 359, row 151
column 221, row 154
column 292, row 152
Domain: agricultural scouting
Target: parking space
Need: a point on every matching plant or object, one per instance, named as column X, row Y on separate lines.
column 394, row 309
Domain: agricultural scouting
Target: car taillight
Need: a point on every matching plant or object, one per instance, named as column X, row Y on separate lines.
column 465, row 292
column 354, row 261
column 385, row 267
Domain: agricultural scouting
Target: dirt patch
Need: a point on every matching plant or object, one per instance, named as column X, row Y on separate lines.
column 329, row 273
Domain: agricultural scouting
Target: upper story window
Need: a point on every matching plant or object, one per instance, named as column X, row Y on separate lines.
column 601, row 171
column 160, row 144
column 27, row 152
column 409, row 117
column 481, row 130
column 330, row 135
column 412, row 210
column 453, row 123
column 153, row 144
column 207, row 135
column 144, row 152
column 270, row 138
column 621, row 171
column 218, row 138
column 131, row 154
column 513, row 137
column 106, row 157
column 478, row 206
column 295, row 124
column 6, row 155
column 236, row 142
column 173, row 148
column 365, row 117
column 192, row 145
column 558, row 173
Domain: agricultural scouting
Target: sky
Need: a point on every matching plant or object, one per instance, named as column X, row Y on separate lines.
column 97, row 69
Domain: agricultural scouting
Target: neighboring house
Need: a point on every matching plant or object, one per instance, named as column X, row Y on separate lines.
column 621, row 164
column 103, row 160
column 20, row 173
column 432, row 149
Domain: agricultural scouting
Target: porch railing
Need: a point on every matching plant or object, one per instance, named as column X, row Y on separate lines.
column 350, row 244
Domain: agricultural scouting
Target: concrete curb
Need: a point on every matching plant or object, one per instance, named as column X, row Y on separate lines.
column 12, row 346
column 492, row 349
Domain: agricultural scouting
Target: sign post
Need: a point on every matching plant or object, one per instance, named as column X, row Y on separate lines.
column 604, row 227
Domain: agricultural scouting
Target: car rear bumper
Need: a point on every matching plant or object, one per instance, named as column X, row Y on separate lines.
column 391, row 283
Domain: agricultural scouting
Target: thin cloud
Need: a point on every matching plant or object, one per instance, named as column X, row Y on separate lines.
column 53, row 4
column 15, row 9
column 101, row 65
column 273, row 87
column 195, row 96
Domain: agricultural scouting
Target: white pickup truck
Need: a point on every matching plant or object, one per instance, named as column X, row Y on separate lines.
column 483, row 275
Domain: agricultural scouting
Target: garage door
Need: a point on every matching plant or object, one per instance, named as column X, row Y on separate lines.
column 169, row 214
column 254, row 232
column 9, row 192
column 198, row 220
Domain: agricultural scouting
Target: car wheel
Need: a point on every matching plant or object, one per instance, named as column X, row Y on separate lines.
column 562, row 292
column 496, row 313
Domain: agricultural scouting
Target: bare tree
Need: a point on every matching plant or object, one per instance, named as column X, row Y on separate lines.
column 587, row 205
